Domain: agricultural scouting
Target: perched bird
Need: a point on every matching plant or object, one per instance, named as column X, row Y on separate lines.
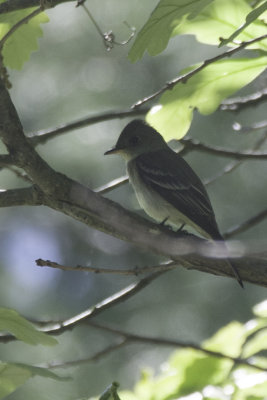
column 165, row 185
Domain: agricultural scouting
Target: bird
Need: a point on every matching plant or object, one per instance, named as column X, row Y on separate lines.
column 166, row 187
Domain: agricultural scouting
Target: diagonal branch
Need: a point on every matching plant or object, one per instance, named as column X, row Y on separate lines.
column 41, row 137
column 56, row 328
column 245, row 225
column 184, row 78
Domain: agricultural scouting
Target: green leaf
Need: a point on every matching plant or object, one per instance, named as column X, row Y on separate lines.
column 14, row 375
column 204, row 91
column 19, row 46
column 254, row 14
column 222, row 18
column 228, row 340
column 204, row 371
column 155, row 34
column 12, row 322
column 256, row 344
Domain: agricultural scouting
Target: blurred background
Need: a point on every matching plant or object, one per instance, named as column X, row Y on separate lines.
column 72, row 76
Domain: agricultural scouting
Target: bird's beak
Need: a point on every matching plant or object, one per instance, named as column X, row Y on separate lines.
column 114, row 150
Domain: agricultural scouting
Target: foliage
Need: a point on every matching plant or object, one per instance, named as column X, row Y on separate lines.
column 12, row 322
column 13, row 375
column 19, row 46
column 208, row 22
column 189, row 372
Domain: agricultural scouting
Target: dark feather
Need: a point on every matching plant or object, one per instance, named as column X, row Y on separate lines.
column 183, row 188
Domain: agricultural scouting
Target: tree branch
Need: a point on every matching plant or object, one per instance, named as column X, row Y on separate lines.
column 58, row 327
column 131, row 337
column 194, row 144
column 245, row 225
column 235, row 164
column 5, row 160
column 73, row 363
column 42, row 136
column 114, row 184
column 240, row 103
column 21, row 197
column 184, row 78
column 129, row 272
column 246, row 129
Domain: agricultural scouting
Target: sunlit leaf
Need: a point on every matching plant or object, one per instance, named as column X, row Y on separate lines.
column 19, row 46
column 155, row 34
column 257, row 343
column 221, row 19
column 254, row 14
column 228, row 340
column 12, row 322
column 204, row 91
column 204, row 371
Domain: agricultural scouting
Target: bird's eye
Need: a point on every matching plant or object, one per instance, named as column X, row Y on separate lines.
column 134, row 140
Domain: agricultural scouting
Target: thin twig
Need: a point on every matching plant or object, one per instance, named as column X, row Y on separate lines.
column 134, row 271
column 244, row 226
column 173, row 343
column 73, row 363
column 114, row 184
column 20, row 174
column 230, row 167
column 194, row 144
column 42, row 136
column 184, row 78
column 247, row 129
column 239, row 103
column 23, row 21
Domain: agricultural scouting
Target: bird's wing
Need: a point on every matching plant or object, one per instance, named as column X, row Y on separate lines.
column 174, row 180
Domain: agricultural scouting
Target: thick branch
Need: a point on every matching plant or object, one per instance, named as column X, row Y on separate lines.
column 21, row 197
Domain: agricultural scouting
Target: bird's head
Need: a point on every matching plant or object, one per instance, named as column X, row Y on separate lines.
column 137, row 138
